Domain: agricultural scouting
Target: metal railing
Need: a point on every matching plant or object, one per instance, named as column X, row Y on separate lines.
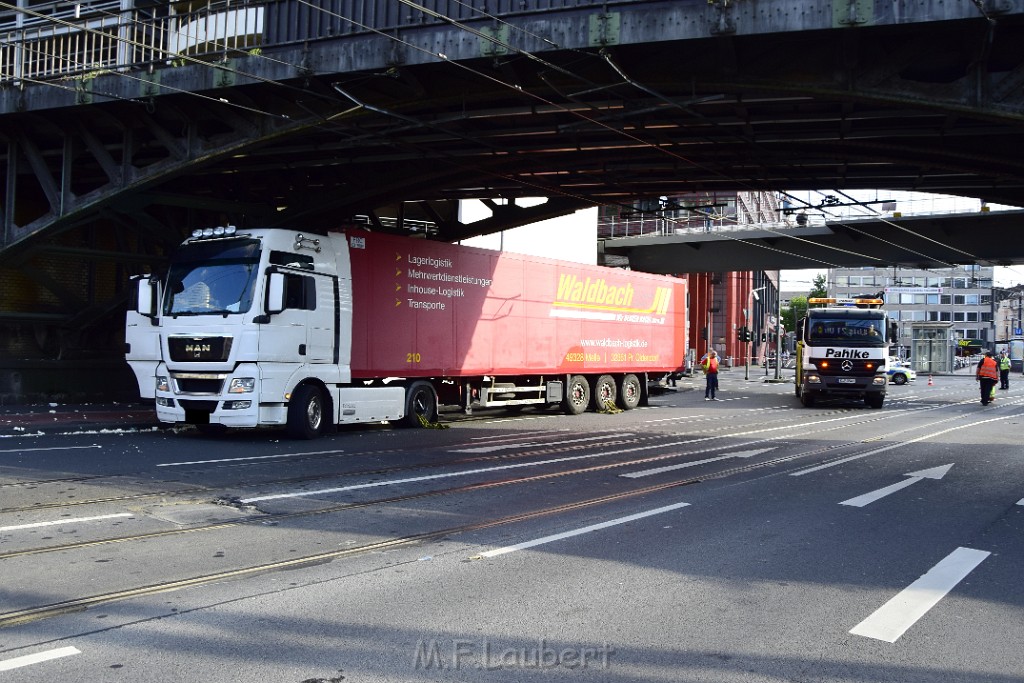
column 56, row 41
column 116, row 41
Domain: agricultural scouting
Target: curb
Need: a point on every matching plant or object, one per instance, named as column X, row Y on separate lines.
column 35, row 419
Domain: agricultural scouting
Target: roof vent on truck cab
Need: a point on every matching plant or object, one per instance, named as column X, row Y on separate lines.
column 303, row 242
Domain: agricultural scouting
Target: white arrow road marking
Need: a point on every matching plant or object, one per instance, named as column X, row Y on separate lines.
column 669, row 468
column 867, row 498
column 1020, row 502
column 28, row 660
column 891, row 620
column 584, row 530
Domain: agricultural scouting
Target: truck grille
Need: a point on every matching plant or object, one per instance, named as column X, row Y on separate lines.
column 198, row 383
column 855, row 367
column 201, row 349
column 199, row 406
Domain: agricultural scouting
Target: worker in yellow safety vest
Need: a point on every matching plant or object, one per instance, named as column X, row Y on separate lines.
column 1004, row 370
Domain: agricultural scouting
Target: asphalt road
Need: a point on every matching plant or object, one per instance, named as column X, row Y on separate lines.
column 747, row 539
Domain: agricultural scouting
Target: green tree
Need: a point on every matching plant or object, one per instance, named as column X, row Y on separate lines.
column 819, row 288
column 797, row 309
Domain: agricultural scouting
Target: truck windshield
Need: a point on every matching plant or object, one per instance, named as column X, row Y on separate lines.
column 853, row 331
column 210, row 278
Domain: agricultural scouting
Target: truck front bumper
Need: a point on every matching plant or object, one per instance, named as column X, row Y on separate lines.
column 176, row 404
column 845, row 386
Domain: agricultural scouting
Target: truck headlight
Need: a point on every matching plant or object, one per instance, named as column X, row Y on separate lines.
column 242, row 385
column 162, row 383
column 880, row 379
column 813, row 379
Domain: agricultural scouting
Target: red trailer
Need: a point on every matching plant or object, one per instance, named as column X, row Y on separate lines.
column 360, row 326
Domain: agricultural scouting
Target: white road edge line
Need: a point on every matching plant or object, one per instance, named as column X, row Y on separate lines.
column 50, row 448
column 584, row 530
column 891, row 620
column 507, row 446
column 251, row 457
column 68, row 520
column 888, row 448
column 28, row 660
column 448, row 475
column 671, row 468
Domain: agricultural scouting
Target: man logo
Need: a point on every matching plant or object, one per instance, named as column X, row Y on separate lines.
column 197, row 350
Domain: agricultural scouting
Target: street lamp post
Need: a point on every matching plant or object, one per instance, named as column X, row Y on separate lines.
column 751, row 298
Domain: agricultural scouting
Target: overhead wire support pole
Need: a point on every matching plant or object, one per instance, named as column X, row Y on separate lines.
column 778, row 326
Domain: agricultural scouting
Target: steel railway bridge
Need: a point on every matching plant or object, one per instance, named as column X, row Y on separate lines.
column 126, row 124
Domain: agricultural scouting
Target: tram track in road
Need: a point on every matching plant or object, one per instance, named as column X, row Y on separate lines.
column 75, row 604
column 548, row 449
column 22, row 616
column 273, row 518
column 377, row 471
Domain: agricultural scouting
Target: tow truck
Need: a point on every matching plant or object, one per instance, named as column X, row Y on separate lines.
column 842, row 350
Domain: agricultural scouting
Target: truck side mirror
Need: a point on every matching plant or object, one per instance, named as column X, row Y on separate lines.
column 145, row 297
column 275, row 293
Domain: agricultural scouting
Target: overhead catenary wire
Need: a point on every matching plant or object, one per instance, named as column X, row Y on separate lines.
column 526, row 54
column 554, row 104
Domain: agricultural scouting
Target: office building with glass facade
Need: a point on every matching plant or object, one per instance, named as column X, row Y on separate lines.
column 960, row 297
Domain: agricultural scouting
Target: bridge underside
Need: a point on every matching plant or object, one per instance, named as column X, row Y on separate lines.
column 929, row 242
column 104, row 176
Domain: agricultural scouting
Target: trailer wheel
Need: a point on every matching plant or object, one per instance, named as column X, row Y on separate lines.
column 306, row 412
column 577, row 395
column 420, row 402
column 629, row 395
column 604, row 392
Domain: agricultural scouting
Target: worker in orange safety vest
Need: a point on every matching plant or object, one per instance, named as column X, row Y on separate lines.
column 987, row 374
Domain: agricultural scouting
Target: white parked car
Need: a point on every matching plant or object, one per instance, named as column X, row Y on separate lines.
column 900, row 372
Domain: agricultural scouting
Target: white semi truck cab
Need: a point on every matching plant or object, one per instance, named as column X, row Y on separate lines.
column 252, row 329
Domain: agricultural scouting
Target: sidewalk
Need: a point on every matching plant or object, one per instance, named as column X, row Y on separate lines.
column 58, row 417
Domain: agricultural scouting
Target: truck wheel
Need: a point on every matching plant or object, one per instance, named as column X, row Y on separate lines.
column 306, row 412
column 604, row 392
column 629, row 394
column 420, row 402
column 874, row 400
column 577, row 395
column 807, row 399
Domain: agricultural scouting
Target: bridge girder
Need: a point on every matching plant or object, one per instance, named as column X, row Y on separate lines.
column 658, row 99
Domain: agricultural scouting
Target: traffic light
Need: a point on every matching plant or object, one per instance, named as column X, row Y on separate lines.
column 741, row 334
